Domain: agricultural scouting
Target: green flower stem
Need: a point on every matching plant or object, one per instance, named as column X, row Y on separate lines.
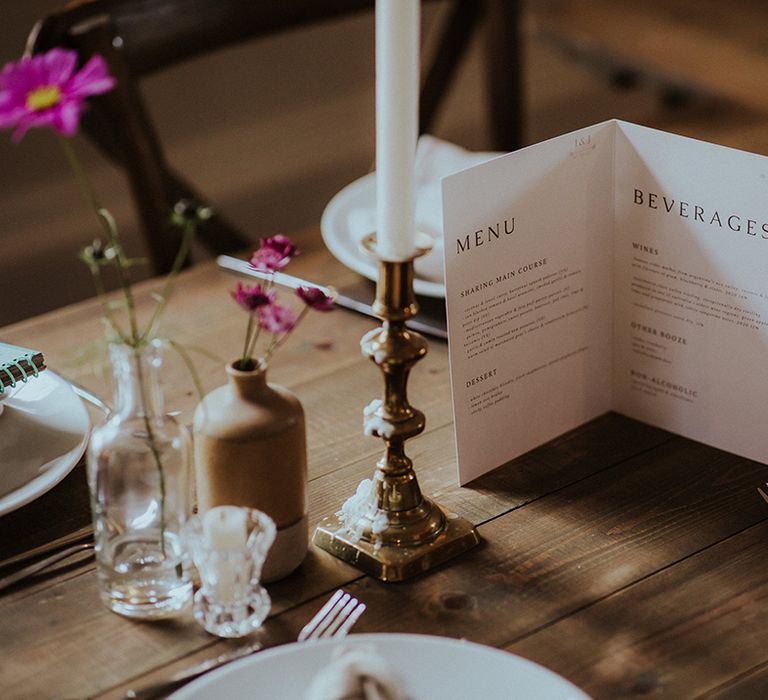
column 252, row 348
column 101, row 293
column 248, row 332
column 190, row 365
column 122, row 275
column 152, row 443
column 81, row 175
column 110, row 229
column 170, row 280
column 270, row 349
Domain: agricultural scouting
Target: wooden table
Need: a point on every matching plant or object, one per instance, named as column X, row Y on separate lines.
column 629, row 560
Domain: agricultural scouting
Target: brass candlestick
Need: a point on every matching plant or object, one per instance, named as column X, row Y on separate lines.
column 391, row 531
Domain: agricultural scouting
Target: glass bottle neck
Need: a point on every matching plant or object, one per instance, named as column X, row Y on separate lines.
column 135, row 372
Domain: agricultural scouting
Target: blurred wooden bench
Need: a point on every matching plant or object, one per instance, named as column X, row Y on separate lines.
column 706, row 59
column 719, row 48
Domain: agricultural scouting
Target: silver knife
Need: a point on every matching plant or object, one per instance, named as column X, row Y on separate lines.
column 242, row 267
column 84, row 533
column 162, row 688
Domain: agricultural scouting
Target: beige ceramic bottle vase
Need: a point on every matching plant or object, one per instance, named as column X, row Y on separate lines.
column 250, row 450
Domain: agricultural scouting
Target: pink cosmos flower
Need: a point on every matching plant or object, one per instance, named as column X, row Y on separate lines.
column 251, row 297
column 315, row 298
column 274, row 254
column 45, row 90
column 276, row 318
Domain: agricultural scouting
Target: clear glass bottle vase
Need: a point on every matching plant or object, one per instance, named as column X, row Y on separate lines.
column 139, row 479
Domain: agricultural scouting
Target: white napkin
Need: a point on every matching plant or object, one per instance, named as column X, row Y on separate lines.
column 357, row 673
column 434, row 160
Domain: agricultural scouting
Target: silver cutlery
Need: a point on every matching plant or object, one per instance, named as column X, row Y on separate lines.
column 43, row 564
column 83, row 533
column 334, row 619
column 242, row 267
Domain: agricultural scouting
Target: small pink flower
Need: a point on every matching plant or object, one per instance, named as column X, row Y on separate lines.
column 251, row 297
column 45, row 90
column 276, row 318
column 315, row 298
column 274, row 254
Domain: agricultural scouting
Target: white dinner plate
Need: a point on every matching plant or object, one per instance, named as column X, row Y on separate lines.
column 44, row 429
column 350, row 216
column 432, row 668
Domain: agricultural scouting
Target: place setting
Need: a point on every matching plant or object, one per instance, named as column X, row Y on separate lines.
column 351, row 214
column 392, row 666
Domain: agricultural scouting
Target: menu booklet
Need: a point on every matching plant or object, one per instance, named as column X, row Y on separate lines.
column 614, row 268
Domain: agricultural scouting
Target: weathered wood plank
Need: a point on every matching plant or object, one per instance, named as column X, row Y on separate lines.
column 602, row 443
column 751, row 684
column 562, row 553
column 674, row 632
column 67, row 644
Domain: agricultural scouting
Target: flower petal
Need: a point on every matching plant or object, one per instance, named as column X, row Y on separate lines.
column 276, row 318
column 53, row 71
column 315, row 298
column 29, row 120
column 17, row 77
column 58, row 65
column 92, row 79
column 11, row 109
column 252, row 297
column 33, row 72
column 66, row 117
column 10, row 115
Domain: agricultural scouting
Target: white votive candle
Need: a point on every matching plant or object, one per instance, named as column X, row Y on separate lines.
column 397, row 118
column 225, row 528
column 225, row 533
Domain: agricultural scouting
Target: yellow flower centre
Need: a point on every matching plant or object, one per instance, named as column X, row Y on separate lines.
column 43, row 98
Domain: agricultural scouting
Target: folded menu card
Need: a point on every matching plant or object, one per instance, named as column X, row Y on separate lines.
column 613, row 268
column 18, row 364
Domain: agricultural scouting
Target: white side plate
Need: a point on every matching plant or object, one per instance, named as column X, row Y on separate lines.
column 351, row 215
column 44, row 429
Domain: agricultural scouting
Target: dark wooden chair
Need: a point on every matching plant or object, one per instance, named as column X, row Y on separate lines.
column 139, row 37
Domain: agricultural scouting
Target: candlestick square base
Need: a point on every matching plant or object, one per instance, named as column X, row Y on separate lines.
column 391, row 562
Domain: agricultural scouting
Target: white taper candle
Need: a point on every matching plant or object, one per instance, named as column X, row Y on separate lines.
column 397, row 118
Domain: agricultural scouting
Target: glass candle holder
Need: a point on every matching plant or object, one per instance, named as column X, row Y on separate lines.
column 228, row 546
